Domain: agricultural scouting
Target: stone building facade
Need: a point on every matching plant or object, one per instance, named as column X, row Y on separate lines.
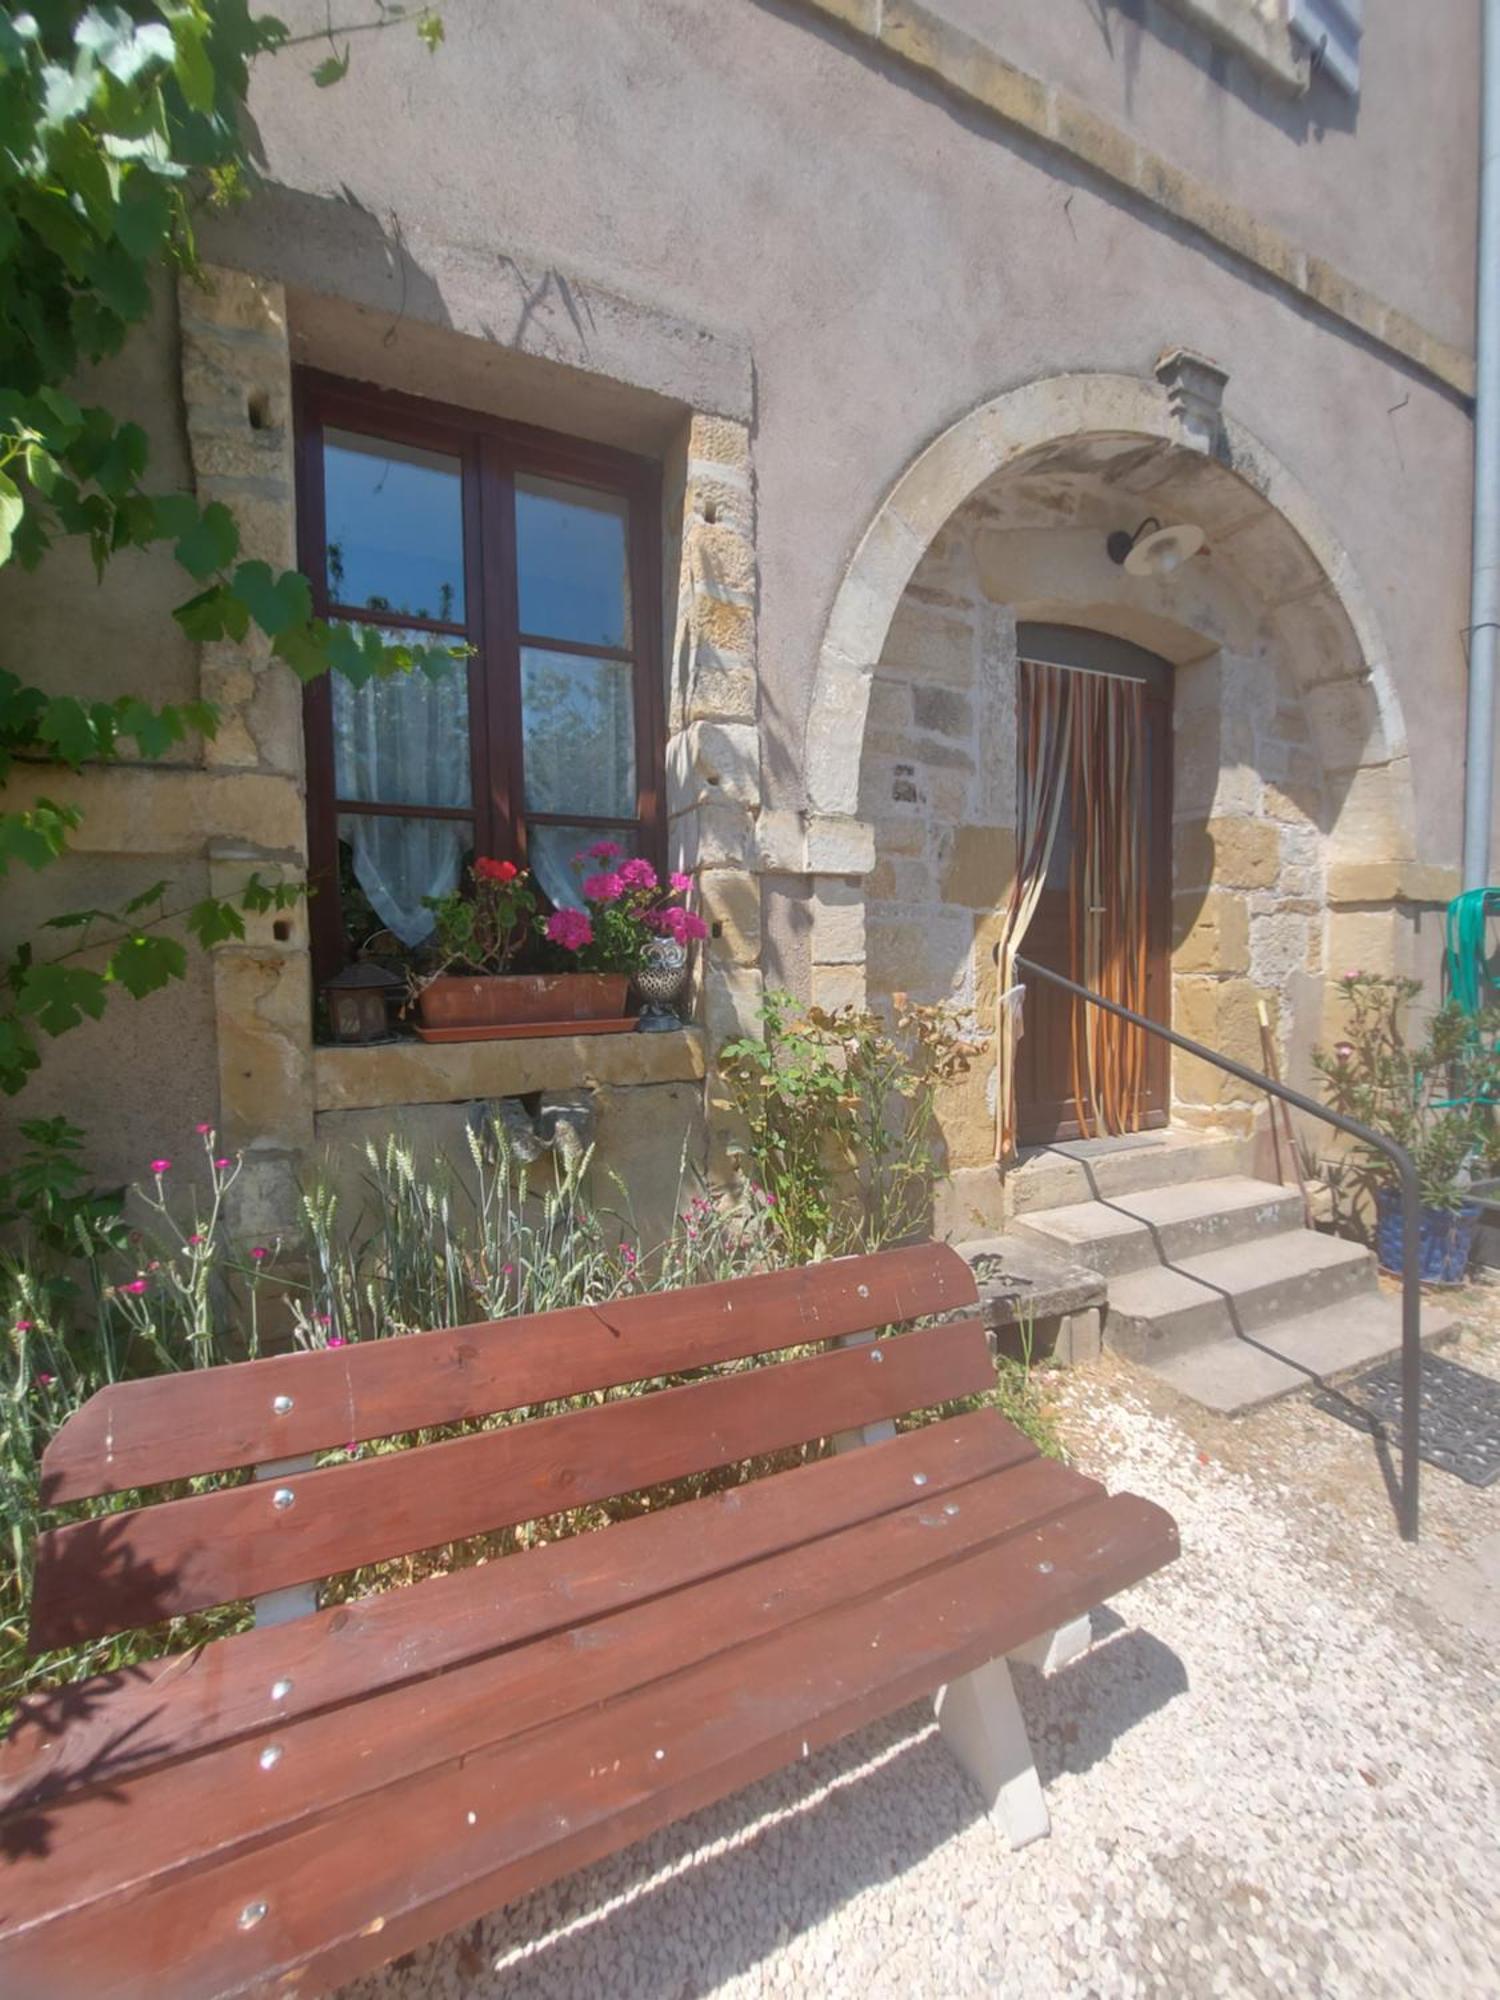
column 911, row 312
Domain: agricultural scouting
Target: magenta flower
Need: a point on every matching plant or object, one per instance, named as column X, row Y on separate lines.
column 135, row 1287
column 638, row 874
column 195, row 1240
column 335, row 1340
column 627, row 1255
column 161, row 1166
column 508, row 1270
column 203, row 1130
column 323, row 1319
column 680, row 883
column 260, row 1252
column 676, row 922
column 604, row 850
column 22, row 1326
column 223, row 1165
column 603, row 888
column 570, row 928
column 46, row 1381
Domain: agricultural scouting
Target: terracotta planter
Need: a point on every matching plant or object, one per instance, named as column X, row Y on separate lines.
column 518, row 999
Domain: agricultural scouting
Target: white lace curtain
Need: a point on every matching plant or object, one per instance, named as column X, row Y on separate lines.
column 404, row 741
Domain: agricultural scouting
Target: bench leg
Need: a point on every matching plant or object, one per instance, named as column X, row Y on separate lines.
column 983, row 1726
column 1054, row 1649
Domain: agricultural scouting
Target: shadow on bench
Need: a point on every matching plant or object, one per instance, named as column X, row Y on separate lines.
column 294, row 1805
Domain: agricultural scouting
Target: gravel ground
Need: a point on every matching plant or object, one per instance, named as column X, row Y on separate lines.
column 1277, row 1771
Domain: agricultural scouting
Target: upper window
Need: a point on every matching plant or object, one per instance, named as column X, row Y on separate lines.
column 539, row 554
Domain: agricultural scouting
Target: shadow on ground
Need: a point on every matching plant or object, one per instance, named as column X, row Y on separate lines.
column 710, row 1899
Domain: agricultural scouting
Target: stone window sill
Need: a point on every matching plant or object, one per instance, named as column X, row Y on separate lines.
column 397, row 1073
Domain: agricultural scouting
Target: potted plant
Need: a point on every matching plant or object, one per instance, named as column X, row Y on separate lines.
column 630, row 926
column 1435, row 1097
column 468, row 983
column 465, row 985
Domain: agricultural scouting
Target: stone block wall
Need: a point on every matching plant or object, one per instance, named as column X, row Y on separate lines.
column 938, row 788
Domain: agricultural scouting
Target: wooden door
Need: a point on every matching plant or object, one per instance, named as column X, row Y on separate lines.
column 1049, row 1104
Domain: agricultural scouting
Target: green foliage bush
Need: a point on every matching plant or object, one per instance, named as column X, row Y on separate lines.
column 1434, row 1094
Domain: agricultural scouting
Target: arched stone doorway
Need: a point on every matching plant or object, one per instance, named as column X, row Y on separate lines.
column 1291, row 785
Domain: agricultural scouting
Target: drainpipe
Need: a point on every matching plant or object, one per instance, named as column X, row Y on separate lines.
column 1484, row 598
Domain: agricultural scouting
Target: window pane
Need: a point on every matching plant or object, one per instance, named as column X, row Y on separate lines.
column 550, row 850
column 395, row 863
column 572, row 562
column 394, row 523
column 579, row 720
column 403, row 741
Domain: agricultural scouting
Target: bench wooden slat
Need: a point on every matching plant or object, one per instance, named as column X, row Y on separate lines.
column 135, row 1568
column 144, row 1433
column 379, row 1874
column 188, row 1815
column 105, row 1729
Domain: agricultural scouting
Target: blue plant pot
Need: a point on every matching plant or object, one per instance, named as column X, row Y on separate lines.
column 1444, row 1243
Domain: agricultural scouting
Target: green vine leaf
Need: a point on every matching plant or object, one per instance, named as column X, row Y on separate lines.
column 143, row 963
column 59, row 996
column 332, row 69
column 212, row 543
column 12, row 507
column 276, row 603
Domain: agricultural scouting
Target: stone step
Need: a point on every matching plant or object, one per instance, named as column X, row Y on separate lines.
column 1224, row 1293
column 1084, row 1169
column 1130, row 1232
column 1235, row 1375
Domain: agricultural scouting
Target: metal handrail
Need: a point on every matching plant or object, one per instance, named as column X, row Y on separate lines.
column 1411, row 1212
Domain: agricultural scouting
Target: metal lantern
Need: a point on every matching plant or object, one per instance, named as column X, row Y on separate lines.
column 358, row 1002
column 659, row 979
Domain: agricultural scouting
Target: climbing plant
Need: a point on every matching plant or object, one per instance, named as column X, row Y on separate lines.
column 119, row 126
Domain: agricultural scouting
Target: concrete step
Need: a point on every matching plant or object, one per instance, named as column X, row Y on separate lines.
column 1235, row 1375
column 1130, row 1232
column 1239, row 1289
column 1084, row 1169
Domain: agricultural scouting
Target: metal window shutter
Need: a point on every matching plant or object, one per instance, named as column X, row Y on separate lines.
column 1332, row 30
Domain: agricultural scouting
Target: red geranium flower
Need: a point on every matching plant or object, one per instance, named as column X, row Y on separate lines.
column 496, row 871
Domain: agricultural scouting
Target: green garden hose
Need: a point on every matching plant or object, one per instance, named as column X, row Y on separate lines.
column 1469, row 971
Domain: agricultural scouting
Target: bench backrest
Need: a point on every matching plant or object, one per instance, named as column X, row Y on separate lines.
column 129, row 1568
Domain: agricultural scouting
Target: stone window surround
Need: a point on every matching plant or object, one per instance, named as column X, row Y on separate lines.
column 247, row 803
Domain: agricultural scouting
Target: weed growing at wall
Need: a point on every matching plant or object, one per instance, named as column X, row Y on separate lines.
column 837, row 1112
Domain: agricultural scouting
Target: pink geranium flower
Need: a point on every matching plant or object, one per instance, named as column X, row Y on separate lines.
column 680, row 883
column 570, row 928
column 135, row 1287
column 223, row 1165
column 260, row 1251
column 604, row 850
column 603, row 888
column 203, row 1130
column 335, row 1340
column 638, row 874
column 161, row 1166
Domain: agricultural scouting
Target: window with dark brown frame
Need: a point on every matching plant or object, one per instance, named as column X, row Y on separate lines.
column 541, row 554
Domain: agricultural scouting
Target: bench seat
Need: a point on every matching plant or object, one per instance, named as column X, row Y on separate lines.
column 284, row 1809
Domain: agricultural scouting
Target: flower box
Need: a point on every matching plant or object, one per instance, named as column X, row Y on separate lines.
column 570, row 1001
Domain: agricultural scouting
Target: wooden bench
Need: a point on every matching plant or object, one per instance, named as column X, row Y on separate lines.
column 287, row 1807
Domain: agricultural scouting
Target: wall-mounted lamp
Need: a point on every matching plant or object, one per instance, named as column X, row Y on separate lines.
column 1154, row 550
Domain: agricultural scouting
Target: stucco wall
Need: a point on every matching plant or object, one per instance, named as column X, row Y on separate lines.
column 1309, row 165
column 888, row 261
